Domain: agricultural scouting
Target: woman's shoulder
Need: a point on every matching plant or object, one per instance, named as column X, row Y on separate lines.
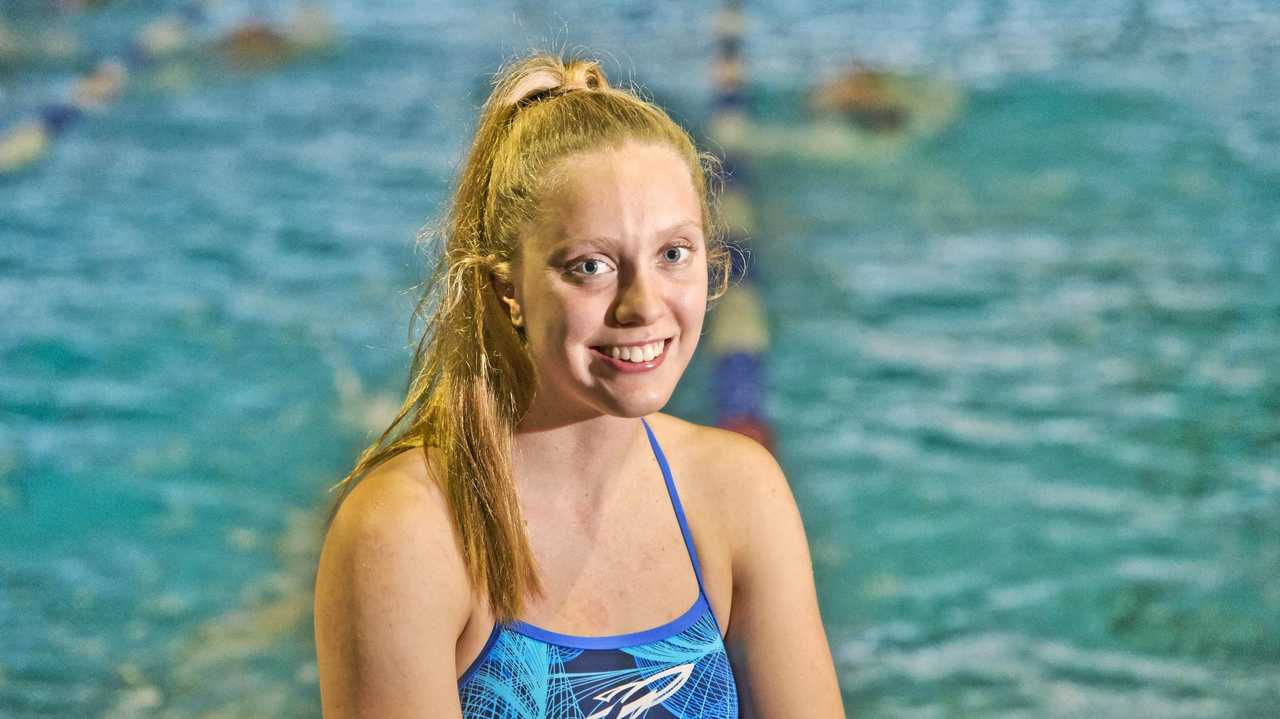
column 744, row 492
column 391, row 594
column 712, row 451
column 730, row 471
column 404, row 488
column 395, row 522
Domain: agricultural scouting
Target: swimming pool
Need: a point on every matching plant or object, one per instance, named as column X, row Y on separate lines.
column 1021, row 369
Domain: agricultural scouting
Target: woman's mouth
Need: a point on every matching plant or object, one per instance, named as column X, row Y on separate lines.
column 633, row 358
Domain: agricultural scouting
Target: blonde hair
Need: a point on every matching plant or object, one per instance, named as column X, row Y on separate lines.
column 471, row 379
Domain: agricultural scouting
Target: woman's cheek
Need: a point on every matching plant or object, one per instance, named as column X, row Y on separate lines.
column 693, row 299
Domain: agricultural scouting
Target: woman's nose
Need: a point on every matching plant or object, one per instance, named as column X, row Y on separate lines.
column 639, row 302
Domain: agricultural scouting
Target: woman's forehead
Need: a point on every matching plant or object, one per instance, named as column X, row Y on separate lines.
column 610, row 195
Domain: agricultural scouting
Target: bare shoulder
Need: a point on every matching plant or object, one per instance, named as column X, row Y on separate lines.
column 716, row 450
column 403, row 481
column 391, row 597
column 728, row 461
column 736, row 474
column 775, row 638
column 396, row 510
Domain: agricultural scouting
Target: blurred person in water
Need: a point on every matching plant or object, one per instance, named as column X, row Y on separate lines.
column 251, row 46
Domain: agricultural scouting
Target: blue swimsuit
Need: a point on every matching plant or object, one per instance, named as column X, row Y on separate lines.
column 676, row 671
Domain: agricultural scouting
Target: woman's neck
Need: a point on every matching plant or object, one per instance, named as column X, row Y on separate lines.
column 582, row 459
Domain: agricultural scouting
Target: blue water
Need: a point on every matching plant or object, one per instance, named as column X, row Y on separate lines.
column 1021, row 373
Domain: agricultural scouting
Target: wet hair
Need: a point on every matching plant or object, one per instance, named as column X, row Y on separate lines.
column 472, row 379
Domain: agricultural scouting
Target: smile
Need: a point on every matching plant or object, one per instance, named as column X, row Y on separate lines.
column 633, row 358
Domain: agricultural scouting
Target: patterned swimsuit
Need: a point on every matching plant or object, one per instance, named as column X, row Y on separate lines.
column 676, row 671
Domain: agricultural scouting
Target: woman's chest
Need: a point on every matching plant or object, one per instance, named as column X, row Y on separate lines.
column 623, row 569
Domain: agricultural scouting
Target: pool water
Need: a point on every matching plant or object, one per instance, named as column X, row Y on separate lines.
column 1021, row 376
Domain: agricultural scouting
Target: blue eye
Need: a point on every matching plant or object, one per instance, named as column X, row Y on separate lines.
column 673, row 253
column 590, row 267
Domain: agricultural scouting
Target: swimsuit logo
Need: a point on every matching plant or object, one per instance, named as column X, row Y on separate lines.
column 679, row 674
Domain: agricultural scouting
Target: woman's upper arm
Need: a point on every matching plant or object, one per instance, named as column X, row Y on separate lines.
column 775, row 638
column 391, row 600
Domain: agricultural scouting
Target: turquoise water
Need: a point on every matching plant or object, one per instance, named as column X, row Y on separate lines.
column 1021, row 374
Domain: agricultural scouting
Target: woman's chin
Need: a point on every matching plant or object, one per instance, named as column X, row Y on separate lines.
column 636, row 404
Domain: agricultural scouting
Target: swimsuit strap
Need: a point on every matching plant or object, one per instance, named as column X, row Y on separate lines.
column 675, row 503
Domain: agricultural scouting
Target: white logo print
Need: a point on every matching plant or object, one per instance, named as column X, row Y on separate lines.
column 679, row 673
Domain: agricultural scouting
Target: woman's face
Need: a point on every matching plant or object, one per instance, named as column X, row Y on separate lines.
column 615, row 268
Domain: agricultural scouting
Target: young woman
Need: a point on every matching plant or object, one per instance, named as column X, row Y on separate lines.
column 532, row 537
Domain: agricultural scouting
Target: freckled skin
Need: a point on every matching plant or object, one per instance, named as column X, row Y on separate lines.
column 633, row 284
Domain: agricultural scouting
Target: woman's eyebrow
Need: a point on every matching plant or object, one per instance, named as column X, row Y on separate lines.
column 606, row 241
column 681, row 225
column 561, row 250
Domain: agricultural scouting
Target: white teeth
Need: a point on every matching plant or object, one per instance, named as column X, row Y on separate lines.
column 642, row 353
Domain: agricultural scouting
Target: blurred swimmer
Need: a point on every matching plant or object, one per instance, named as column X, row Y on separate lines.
column 870, row 99
column 164, row 36
column 861, row 114
column 251, row 46
column 257, row 45
column 29, row 140
column 22, row 145
column 101, row 86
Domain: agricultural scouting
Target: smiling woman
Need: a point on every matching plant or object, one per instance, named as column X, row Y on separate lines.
column 612, row 321
column 519, row 542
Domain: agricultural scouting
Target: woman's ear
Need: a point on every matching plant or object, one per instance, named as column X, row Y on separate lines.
column 507, row 295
